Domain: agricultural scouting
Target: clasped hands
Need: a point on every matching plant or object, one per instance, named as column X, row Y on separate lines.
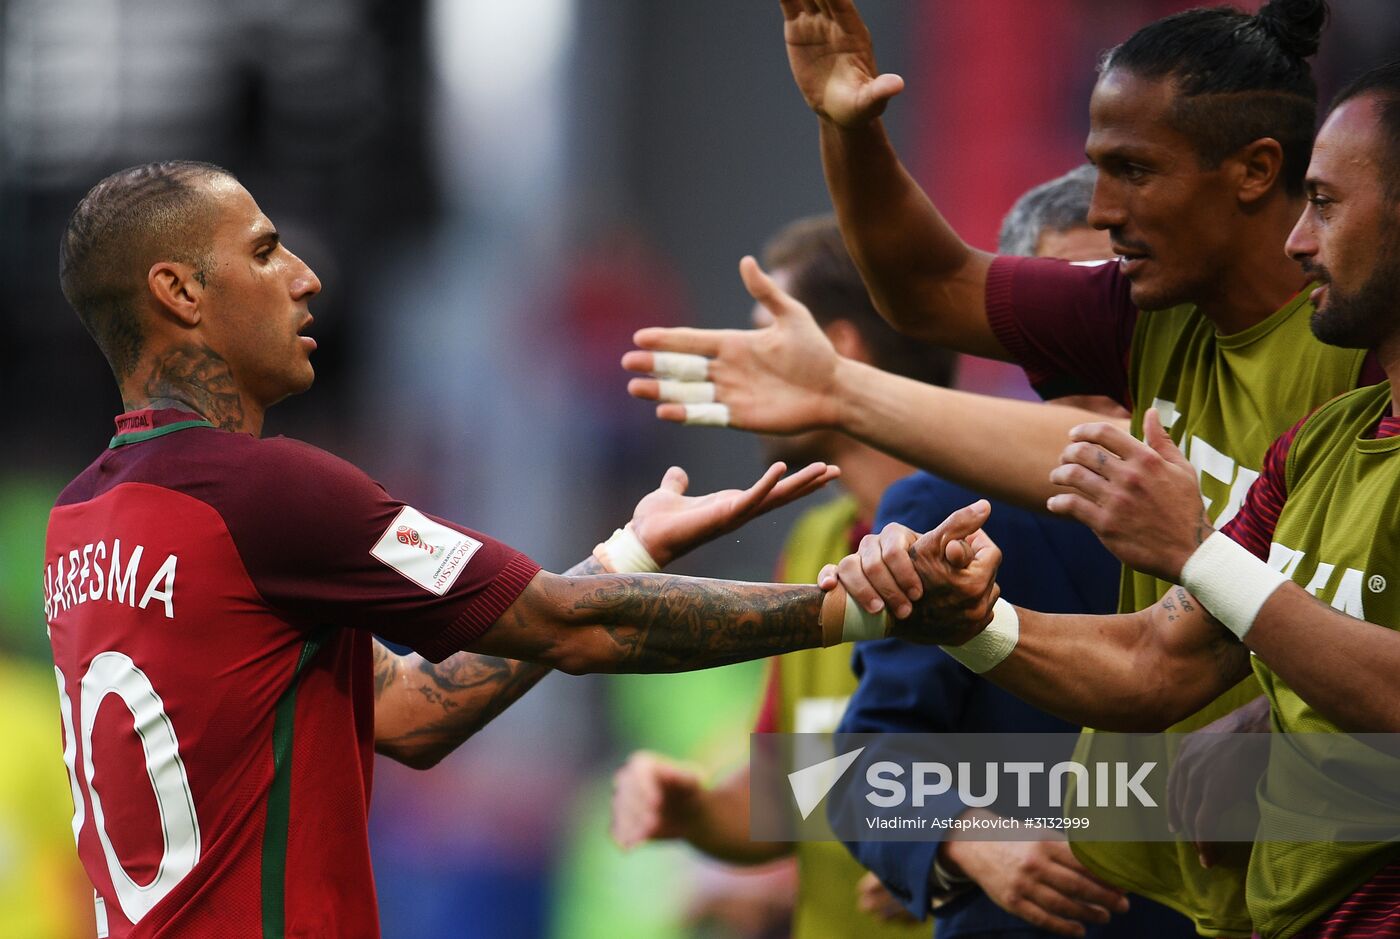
column 939, row 587
column 1141, row 498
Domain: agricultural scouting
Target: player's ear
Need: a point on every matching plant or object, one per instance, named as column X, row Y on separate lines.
column 178, row 290
column 1258, row 167
column 846, row 339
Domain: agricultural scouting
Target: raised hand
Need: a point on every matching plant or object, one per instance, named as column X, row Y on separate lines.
column 1142, row 499
column 669, row 523
column 653, row 798
column 777, row 379
column 833, row 61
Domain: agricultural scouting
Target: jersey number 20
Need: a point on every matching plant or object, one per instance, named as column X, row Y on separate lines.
column 115, row 673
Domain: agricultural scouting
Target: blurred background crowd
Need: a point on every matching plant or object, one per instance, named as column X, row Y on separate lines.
column 495, row 196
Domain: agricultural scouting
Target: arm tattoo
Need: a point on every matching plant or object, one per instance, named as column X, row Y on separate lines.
column 447, row 702
column 1231, row 656
column 659, row 623
column 193, row 376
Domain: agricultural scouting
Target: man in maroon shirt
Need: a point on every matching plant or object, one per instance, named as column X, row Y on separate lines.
column 223, row 588
column 1264, row 593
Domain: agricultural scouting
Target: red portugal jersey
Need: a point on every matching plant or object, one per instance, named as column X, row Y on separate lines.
column 210, row 598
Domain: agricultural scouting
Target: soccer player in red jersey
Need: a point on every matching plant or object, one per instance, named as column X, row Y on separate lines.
column 221, row 589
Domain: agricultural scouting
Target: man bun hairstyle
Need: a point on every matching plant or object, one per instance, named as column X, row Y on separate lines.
column 825, row 280
column 127, row 222
column 1382, row 81
column 1296, row 25
column 1239, row 77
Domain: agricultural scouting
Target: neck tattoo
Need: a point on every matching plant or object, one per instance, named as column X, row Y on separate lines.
column 194, row 377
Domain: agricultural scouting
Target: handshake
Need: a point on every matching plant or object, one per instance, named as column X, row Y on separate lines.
column 936, row 588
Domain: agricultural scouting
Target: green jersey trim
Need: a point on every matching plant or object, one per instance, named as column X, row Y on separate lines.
column 279, row 801
column 121, row 440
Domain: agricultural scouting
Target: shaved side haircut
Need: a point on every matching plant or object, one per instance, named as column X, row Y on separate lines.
column 126, row 223
column 1239, row 77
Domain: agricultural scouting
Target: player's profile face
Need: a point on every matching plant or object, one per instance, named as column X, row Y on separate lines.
column 1169, row 219
column 255, row 308
column 1348, row 237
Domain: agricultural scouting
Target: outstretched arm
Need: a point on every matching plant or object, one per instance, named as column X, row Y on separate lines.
column 1132, row 672
column 658, row 623
column 425, row 710
column 922, row 276
column 788, row 378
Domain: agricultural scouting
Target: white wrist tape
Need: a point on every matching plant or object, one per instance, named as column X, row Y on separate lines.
column 988, row 648
column 685, row 392
column 859, row 625
column 1230, row 582
column 707, row 415
column 681, row 366
column 624, row 553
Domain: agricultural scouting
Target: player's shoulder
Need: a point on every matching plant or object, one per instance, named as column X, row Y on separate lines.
column 289, row 455
column 1345, row 415
column 288, row 475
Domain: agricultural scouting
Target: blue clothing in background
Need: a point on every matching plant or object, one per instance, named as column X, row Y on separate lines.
column 1049, row 564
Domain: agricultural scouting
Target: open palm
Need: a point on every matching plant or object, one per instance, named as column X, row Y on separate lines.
column 669, row 523
column 833, row 61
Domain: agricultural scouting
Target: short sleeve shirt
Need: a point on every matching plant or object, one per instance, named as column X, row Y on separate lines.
column 210, row 599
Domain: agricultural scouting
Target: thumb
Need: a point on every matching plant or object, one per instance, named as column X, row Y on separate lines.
column 763, row 289
column 675, row 481
column 1156, row 437
column 882, row 88
column 963, row 522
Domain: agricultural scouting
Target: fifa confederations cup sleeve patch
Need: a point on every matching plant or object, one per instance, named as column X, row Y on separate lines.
column 428, row 553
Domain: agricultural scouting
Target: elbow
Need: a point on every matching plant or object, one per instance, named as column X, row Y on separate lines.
column 577, row 651
column 419, row 758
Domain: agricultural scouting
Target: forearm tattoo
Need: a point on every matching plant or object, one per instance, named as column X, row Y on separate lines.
column 453, row 699
column 659, row 623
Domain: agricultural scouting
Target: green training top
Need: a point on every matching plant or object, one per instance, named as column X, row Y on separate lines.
column 1223, row 400
column 1336, row 537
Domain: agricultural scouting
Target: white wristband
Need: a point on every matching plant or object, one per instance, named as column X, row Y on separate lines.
column 988, row 648
column 859, row 625
column 624, row 553
column 1229, row 581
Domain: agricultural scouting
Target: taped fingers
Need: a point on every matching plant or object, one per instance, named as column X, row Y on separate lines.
column 685, row 392
column 681, row 366
column 707, row 415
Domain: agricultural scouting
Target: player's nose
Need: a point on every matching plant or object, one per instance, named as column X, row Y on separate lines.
column 1105, row 209
column 305, row 283
column 1302, row 241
